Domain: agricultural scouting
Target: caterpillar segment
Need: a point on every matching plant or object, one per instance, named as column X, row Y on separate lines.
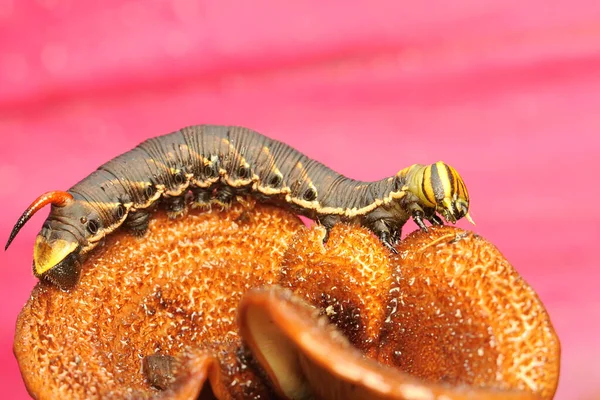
column 205, row 165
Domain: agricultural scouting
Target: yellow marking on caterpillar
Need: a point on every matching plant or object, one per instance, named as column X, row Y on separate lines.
column 259, row 185
column 270, row 191
column 455, row 190
column 238, row 182
column 427, row 186
column 48, row 255
column 416, row 180
column 158, row 163
column 347, row 212
column 237, row 155
column 206, row 182
column 448, row 182
column 274, row 168
column 314, row 188
column 174, row 171
column 306, row 179
column 303, row 173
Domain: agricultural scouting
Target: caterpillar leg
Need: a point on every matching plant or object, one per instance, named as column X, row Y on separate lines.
column 385, row 234
column 245, row 201
column 328, row 222
column 395, row 235
column 224, row 197
column 435, row 220
column 175, row 206
column 418, row 216
column 201, row 198
column 247, row 207
column 137, row 222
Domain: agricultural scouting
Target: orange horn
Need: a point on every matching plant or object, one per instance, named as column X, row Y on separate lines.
column 59, row 199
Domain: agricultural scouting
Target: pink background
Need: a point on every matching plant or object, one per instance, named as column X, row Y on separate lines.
column 506, row 91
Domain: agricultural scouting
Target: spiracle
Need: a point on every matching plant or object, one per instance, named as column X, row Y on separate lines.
column 248, row 303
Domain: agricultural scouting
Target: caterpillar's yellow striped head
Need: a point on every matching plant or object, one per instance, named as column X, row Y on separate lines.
column 443, row 188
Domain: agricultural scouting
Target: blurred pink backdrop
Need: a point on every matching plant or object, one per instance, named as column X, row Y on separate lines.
column 506, row 91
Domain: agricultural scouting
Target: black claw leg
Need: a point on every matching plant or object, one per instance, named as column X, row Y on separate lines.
column 175, row 206
column 418, row 218
column 137, row 222
column 326, row 237
column 382, row 230
column 328, row 221
column 224, row 197
column 201, row 198
column 395, row 235
column 385, row 239
column 435, row 220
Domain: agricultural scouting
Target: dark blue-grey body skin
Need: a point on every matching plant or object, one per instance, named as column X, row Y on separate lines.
column 207, row 164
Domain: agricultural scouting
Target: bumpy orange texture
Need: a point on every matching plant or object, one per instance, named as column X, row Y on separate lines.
column 448, row 310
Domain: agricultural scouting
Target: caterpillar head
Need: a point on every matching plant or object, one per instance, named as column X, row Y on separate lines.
column 443, row 188
column 57, row 249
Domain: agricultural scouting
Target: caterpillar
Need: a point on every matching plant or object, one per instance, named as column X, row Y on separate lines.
column 208, row 164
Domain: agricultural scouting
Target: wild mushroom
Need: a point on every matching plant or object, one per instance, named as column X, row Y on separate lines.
column 456, row 322
column 157, row 317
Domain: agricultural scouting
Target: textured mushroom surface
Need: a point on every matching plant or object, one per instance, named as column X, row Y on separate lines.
column 160, row 316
